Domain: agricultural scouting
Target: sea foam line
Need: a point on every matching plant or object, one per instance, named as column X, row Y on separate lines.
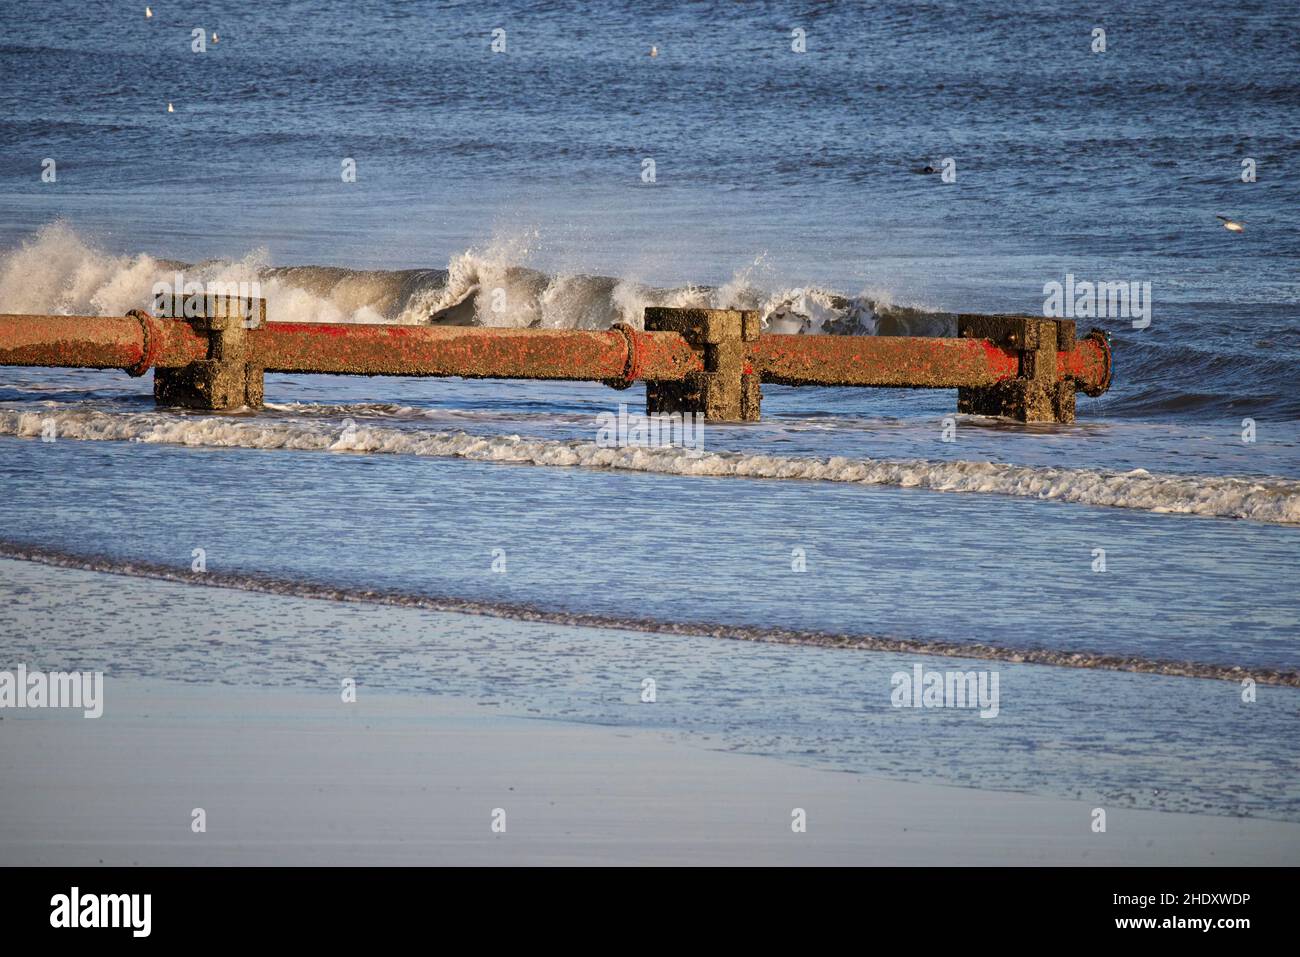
column 1272, row 500
column 519, row 611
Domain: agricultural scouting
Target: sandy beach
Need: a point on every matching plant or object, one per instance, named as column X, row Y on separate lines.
column 234, row 702
column 288, row 777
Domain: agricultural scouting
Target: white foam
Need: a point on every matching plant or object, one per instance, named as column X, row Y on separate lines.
column 57, row 271
column 1274, row 500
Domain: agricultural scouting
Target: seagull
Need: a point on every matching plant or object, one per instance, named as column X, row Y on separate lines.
column 654, row 51
column 1231, row 225
column 215, row 38
column 169, row 108
column 147, row 13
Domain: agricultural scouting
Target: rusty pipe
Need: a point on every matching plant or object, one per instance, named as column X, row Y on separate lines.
column 136, row 342
column 888, row 361
column 484, row 353
column 619, row 355
column 914, row 362
column 1088, row 363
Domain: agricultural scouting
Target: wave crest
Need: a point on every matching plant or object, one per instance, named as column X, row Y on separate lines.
column 58, row 271
column 1272, row 500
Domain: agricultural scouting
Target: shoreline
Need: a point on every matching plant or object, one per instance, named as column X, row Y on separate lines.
column 1141, row 742
column 268, row 585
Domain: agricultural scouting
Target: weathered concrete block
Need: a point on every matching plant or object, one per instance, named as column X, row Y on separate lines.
column 1037, row 394
column 726, row 391
column 226, row 379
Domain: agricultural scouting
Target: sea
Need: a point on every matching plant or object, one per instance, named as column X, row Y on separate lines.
column 1131, row 576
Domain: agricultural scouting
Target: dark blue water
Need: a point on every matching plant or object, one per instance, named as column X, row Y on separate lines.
column 789, row 170
column 779, row 175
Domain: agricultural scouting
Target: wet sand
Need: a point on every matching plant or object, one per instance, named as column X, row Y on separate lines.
column 293, row 777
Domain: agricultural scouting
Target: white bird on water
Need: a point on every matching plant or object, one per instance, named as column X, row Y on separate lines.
column 1231, row 225
column 147, row 13
column 654, row 51
column 169, row 108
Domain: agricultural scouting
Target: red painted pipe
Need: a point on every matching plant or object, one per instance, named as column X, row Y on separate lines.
column 913, row 361
column 132, row 342
column 135, row 342
column 621, row 354
column 361, row 349
column 87, row 341
column 1088, row 364
column 882, row 361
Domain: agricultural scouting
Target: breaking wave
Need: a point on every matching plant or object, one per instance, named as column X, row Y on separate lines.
column 57, row 271
column 1272, row 500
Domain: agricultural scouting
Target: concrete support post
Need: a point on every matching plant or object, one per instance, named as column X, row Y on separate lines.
column 226, row 379
column 1038, row 393
column 728, row 389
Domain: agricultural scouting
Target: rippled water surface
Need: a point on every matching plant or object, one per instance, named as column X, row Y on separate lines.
column 784, row 182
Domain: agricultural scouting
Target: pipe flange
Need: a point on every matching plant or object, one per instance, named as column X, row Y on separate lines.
column 152, row 343
column 632, row 369
column 1102, row 340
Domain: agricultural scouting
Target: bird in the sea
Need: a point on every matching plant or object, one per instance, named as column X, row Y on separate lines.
column 215, row 38
column 654, row 51
column 927, row 170
column 1231, row 225
column 147, row 13
column 169, row 108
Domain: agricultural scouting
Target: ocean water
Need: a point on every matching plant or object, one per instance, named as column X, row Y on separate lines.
column 785, row 182
column 1127, row 740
